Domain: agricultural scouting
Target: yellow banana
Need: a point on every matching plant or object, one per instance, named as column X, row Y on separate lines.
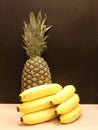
column 35, row 105
column 39, row 116
column 72, row 115
column 39, row 91
column 68, row 105
column 63, row 95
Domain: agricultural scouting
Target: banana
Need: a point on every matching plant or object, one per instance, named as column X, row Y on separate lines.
column 72, row 115
column 39, row 116
column 63, row 95
column 39, row 91
column 68, row 105
column 35, row 105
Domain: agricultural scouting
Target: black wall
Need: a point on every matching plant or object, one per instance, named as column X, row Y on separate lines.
column 72, row 45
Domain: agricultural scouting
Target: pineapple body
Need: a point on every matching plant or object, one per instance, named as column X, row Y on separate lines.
column 36, row 72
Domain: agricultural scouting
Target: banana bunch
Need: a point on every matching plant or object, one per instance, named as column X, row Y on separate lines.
column 36, row 106
column 48, row 101
column 68, row 107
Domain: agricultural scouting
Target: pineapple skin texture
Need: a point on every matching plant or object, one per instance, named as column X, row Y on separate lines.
column 35, row 72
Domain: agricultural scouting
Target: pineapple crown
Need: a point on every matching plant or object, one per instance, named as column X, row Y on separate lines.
column 34, row 36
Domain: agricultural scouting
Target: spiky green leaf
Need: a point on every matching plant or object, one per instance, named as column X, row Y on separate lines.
column 32, row 20
column 35, row 35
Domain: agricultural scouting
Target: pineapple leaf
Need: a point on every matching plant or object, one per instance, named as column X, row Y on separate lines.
column 39, row 17
column 43, row 23
column 45, row 38
column 25, row 25
column 32, row 20
column 48, row 28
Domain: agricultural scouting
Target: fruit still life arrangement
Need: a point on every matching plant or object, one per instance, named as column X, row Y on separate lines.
column 41, row 99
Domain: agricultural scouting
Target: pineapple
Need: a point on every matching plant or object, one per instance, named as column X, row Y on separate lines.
column 36, row 70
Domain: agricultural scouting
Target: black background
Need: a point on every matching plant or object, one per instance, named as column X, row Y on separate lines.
column 72, row 52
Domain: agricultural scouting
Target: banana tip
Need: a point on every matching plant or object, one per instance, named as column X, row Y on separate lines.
column 56, row 112
column 51, row 102
column 18, row 109
column 21, row 119
column 20, row 98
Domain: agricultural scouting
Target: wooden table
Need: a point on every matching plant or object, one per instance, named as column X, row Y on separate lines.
column 10, row 120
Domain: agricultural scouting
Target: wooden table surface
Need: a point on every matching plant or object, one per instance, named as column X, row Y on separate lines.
column 10, row 120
